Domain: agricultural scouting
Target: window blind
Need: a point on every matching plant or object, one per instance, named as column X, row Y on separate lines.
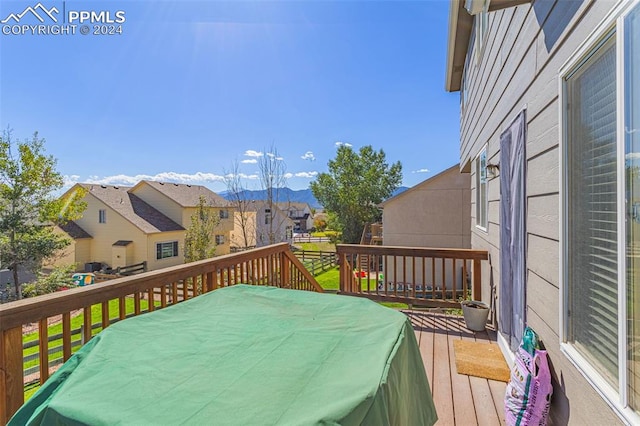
column 592, row 210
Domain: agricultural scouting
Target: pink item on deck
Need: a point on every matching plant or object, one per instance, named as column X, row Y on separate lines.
column 528, row 395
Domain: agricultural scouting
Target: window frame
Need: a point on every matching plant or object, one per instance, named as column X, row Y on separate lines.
column 102, row 215
column 219, row 239
column 224, row 214
column 616, row 397
column 477, row 165
column 174, row 247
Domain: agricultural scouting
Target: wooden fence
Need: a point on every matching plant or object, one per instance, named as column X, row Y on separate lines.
column 310, row 239
column 317, row 262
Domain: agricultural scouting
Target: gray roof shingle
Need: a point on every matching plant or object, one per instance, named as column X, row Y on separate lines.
column 189, row 195
column 132, row 208
column 75, row 231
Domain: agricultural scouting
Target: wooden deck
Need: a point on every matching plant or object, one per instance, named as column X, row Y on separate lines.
column 459, row 399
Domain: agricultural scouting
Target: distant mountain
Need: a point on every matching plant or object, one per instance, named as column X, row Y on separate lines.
column 285, row 195
column 294, row 196
column 399, row 191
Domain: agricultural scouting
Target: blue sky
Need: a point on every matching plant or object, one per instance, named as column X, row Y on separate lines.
column 190, row 87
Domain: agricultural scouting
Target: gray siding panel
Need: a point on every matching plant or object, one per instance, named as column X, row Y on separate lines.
column 543, row 258
column 542, row 218
column 526, row 47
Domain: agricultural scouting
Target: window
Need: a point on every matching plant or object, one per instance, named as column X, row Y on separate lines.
column 289, row 232
column 600, row 151
column 481, row 189
column 481, row 23
column 165, row 250
column 102, row 216
column 224, row 214
column 219, row 239
column 267, row 216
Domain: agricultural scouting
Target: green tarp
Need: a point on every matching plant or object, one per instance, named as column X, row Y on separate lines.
column 244, row 355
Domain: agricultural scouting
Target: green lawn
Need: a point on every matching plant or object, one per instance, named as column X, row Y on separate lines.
column 76, row 322
column 330, row 280
column 316, row 246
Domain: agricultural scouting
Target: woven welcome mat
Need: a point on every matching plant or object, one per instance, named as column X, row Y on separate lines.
column 480, row 360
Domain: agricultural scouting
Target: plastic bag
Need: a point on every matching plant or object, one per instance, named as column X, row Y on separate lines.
column 528, row 396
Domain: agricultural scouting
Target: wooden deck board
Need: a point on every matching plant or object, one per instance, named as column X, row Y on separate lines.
column 459, row 399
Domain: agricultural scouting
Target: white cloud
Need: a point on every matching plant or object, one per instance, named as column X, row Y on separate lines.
column 633, row 156
column 272, row 155
column 128, row 180
column 307, row 175
column 250, row 161
column 421, row 171
column 70, row 180
column 309, row 156
column 343, row 143
column 252, row 153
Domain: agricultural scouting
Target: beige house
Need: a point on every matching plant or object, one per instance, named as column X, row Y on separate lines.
column 128, row 225
column 434, row 213
column 244, row 233
column 180, row 201
column 300, row 213
column 273, row 225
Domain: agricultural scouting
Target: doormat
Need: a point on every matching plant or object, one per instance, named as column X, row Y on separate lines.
column 480, row 360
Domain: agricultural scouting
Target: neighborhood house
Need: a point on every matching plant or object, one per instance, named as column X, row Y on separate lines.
column 145, row 223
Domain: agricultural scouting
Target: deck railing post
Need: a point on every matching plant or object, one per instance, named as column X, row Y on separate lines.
column 285, row 271
column 11, row 386
column 342, row 260
column 477, row 280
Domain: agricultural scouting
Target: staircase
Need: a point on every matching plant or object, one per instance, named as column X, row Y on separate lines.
column 371, row 235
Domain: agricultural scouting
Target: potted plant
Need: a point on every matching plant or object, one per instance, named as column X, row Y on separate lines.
column 475, row 314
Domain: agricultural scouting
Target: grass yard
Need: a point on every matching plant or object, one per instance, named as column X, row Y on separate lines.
column 316, row 246
column 76, row 322
column 330, row 280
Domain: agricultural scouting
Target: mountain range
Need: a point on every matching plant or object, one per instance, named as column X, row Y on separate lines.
column 290, row 195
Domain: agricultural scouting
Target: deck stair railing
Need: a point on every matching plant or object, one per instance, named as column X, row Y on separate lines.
column 117, row 299
column 416, row 276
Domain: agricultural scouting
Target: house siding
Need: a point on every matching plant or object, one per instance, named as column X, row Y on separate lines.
column 224, row 227
column 105, row 234
column 525, row 49
column 434, row 213
column 149, row 250
column 161, row 202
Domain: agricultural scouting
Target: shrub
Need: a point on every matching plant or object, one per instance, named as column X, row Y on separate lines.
column 58, row 279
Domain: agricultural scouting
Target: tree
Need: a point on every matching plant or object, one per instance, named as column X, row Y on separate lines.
column 272, row 173
column 244, row 216
column 199, row 240
column 28, row 208
column 354, row 186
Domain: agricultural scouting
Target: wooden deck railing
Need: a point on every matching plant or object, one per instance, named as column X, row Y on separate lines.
column 272, row 265
column 417, row 276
